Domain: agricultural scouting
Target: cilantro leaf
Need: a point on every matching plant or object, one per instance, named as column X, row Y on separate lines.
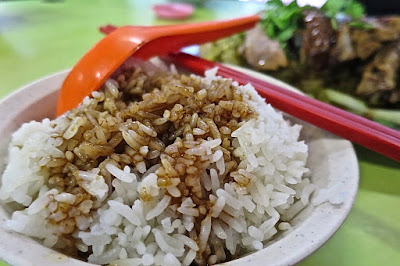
column 281, row 21
column 334, row 9
column 355, row 10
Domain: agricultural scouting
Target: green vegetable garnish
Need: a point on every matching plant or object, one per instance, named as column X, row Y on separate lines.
column 281, row 21
column 224, row 50
column 354, row 9
column 334, row 9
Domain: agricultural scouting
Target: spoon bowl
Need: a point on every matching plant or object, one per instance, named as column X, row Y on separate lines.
column 108, row 54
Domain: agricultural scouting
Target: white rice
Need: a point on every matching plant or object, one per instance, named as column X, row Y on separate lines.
column 126, row 230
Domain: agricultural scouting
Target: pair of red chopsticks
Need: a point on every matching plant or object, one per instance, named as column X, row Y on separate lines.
column 355, row 128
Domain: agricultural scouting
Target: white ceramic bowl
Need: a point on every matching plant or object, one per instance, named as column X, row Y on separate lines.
column 332, row 161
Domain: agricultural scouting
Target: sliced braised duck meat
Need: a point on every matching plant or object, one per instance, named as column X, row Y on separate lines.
column 393, row 22
column 380, row 75
column 367, row 42
column 387, row 99
column 395, row 97
column 318, row 39
column 386, row 28
column 263, row 53
column 344, row 49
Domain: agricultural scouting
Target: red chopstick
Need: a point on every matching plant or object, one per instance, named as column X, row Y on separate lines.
column 355, row 128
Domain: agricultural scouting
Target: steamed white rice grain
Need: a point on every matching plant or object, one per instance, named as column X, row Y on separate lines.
column 131, row 219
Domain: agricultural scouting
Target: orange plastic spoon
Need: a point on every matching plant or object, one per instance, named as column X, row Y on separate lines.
column 108, row 54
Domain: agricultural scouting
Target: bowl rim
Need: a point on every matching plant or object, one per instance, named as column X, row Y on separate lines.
column 256, row 258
